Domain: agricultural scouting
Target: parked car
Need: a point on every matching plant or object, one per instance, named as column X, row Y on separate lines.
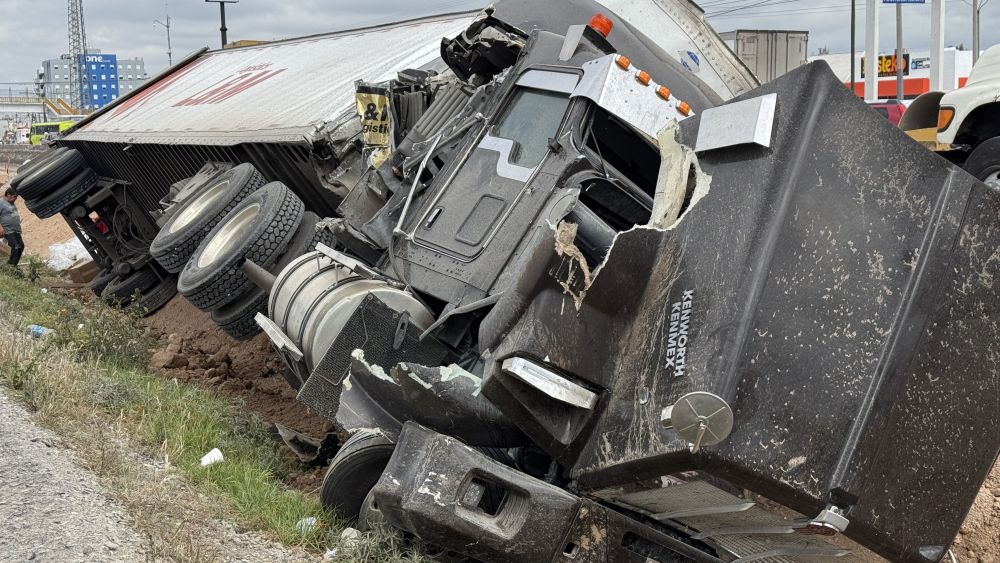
column 891, row 110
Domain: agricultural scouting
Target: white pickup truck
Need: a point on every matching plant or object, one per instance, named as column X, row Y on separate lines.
column 964, row 124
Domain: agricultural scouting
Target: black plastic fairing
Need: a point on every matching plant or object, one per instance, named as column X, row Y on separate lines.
column 836, row 289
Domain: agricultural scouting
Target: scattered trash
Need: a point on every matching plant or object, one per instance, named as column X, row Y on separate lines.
column 39, row 331
column 64, row 254
column 330, row 554
column 44, row 290
column 212, row 457
column 306, row 525
column 349, row 536
column 79, row 326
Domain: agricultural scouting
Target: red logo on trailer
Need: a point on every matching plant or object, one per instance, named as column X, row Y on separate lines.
column 228, row 87
column 142, row 96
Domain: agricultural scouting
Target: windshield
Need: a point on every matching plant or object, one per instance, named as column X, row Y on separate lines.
column 532, row 118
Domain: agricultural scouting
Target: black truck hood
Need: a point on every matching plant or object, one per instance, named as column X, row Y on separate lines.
column 840, row 296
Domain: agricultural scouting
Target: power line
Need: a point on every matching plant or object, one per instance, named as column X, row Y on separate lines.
column 751, row 5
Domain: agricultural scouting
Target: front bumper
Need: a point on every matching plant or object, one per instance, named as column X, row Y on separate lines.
column 434, row 487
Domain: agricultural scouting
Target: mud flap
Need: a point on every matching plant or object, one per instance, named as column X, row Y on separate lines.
column 434, row 487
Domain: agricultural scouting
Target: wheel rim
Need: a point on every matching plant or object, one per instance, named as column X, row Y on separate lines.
column 230, row 234
column 993, row 179
column 371, row 516
column 198, row 205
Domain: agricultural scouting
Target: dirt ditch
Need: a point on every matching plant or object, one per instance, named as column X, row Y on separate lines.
column 193, row 349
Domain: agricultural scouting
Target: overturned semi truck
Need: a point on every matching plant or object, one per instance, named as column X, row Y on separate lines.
column 571, row 284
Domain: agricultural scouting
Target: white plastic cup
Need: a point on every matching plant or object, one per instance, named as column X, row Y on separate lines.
column 212, row 457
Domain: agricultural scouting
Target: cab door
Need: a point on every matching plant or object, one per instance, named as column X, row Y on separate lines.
column 463, row 217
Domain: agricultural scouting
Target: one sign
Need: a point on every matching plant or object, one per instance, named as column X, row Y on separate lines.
column 887, row 65
column 903, row 1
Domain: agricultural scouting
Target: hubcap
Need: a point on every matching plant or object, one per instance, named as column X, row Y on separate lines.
column 993, row 180
column 371, row 515
column 198, row 205
column 230, row 234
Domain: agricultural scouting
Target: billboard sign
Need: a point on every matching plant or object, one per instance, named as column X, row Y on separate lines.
column 886, row 65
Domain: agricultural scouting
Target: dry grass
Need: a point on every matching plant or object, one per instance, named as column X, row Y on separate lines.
column 143, row 436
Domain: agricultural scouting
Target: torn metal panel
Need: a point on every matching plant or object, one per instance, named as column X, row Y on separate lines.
column 677, row 165
column 375, row 375
column 833, row 293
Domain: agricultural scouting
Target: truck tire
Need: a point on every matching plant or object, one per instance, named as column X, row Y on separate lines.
column 25, row 170
column 74, row 189
column 50, row 175
column 154, row 298
column 122, row 290
column 307, row 236
column 195, row 218
column 260, row 229
column 353, row 473
column 984, row 162
column 237, row 318
column 101, row 281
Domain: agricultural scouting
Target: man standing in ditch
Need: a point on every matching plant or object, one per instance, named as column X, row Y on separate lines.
column 10, row 226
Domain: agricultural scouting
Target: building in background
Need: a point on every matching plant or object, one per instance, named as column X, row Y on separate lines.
column 769, row 53
column 109, row 77
column 916, row 72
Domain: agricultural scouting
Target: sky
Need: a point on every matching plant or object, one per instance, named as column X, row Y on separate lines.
column 34, row 30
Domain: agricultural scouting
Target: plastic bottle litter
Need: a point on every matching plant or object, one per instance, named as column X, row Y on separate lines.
column 39, row 331
column 306, row 524
column 212, row 457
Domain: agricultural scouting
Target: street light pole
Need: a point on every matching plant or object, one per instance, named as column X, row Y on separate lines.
column 975, row 31
column 854, row 20
column 170, row 52
column 222, row 17
column 899, row 52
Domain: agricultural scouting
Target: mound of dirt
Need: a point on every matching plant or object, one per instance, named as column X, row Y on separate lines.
column 193, row 349
column 979, row 539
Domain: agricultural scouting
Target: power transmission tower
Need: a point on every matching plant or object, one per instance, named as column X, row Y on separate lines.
column 78, row 83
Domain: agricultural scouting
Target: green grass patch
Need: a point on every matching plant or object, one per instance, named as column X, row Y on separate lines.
column 94, row 375
column 90, row 376
column 98, row 333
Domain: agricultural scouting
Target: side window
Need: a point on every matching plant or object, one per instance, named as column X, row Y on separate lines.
column 532, row 118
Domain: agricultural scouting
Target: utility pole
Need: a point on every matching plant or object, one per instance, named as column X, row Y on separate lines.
column 937, row 45
column 854, row 23
column 975, row 31
column 899, row 53
column 222, row 17
column 871, row 51
column 170, row 52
